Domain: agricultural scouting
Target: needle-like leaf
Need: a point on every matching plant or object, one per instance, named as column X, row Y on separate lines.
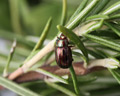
column 16, row 88
column 74, row 38
column 105, row 42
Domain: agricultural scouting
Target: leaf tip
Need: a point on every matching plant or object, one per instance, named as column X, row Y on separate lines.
column 58, row 27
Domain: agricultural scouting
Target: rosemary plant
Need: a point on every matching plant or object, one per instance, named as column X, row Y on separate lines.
column 93, row 30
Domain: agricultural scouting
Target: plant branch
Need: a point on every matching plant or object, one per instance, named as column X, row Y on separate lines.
column 78, row 67
column 50, row 46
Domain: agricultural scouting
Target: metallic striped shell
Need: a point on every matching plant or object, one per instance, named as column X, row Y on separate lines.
column 63, row 52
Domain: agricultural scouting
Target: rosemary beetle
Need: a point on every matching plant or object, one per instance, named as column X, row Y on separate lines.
column 63, row 54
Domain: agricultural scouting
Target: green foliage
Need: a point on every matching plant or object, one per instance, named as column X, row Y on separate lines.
column 60, row 79
column 93, row 28
column 16, row 88
column 116, row 74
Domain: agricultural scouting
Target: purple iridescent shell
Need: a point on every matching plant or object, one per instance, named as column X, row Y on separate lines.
column 63, row 53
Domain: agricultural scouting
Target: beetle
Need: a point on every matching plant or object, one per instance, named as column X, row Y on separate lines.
column 63, row 54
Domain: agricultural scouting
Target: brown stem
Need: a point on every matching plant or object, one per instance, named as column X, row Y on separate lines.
column 33, row 75
column 15, row 74
column 78, row 66
column 48, row 48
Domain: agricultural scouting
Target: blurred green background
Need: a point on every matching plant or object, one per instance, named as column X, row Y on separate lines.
column 28, row 17
column 24, row 20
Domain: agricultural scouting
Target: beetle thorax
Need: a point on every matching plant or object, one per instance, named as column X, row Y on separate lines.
column 62, row 41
